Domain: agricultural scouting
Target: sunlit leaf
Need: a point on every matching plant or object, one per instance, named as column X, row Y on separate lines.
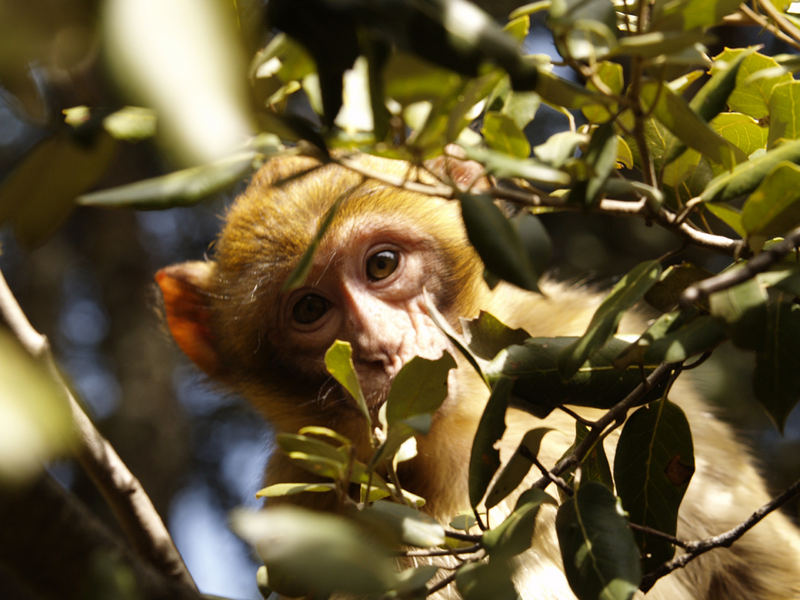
column 784, row 112
column 502, row 133
column 611, row 76
column 278, row 490
column 752, row 93
column 482, row 580
column 774, row 207
column 339, row 363
column 486, row 335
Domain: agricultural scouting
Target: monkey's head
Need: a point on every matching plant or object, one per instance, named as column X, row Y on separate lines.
column 383, row 251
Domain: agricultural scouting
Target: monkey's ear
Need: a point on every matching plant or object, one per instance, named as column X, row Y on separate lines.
column 185, row 288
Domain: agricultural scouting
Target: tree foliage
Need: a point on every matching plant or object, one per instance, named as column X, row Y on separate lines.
column 657, row 126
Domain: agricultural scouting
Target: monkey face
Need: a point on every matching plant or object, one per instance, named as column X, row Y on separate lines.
column 366, row 287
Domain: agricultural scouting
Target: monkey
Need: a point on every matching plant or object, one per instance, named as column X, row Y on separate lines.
column 386, row 251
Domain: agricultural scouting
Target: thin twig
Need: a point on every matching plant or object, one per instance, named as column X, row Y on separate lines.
column 655, row 532
column 695, row 549
column 122, row 491
column 747, row 270
column 443, row 552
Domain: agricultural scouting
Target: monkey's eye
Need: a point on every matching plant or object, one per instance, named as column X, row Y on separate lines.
column 309, row 308
column 382, row 264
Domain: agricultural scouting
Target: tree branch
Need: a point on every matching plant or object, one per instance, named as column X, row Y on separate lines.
column 131, row 505
column 747, row 270
column 695, row 549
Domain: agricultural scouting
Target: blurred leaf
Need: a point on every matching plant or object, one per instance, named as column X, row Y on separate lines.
column 463, row 522
column 36, row 425
column 559, row 147
column 732, row 217
column 502, row 134
column 653, row 465
column 539, row 388
column 484, row 458
column 712, row 98
column 774, row 207
column 610, row 74
column 411, row 582
column 784, row 112
column 521, row 107
column 502, row 165
column 777, row 378
column 170, row 55
column 627, row 292
column 666, row 292
column 131, row 123
column 594, row 466
column 278, row 490
column 601, row 159
column 600, row 556
column 179, row 188
column 409, row 79
column 409, row 525
column 339, row 363
column 657, row 43
column 315, row 552
column 497, row 242
column 691, row 14
column 40, row 192
column 585, row 27
column 743, row 308
column 517, row 466
column 563, row 93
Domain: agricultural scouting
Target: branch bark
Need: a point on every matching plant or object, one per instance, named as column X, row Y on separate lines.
column 124, row 493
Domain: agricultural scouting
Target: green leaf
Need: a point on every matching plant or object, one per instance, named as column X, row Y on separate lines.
column 502, row 134
column 600, row 556
column 298, row 275
column 675, row 114
column 339, row 363
column 784, row 112
column 504, row 166
column 653, row 465
column 610, row 74
column 743, row 308
column 521, row 107
column 745, row 177
column 691, row 14
column 559, row 147
column 657, row 43
column 517, row 466
column 600, row 158
column 314, row 552
column 712, row 98
column 408, row 525
column 484, row 458
column 563, row 93
column 752, row 92
column 179, row 188
column 594, row 466
column 486, row 335
column 419, row 387
column 627, row 292
column 131, row 123
column 497, row 242
column 665, row 293
column 670, row 339
column 741, row 130
column 777, row 378
column 36, row 205
column 36, row 425
column 482, row 580
column 538, row 387
column 279, row 490
column 729, row 215
column 774, row 207
column 513, row 536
